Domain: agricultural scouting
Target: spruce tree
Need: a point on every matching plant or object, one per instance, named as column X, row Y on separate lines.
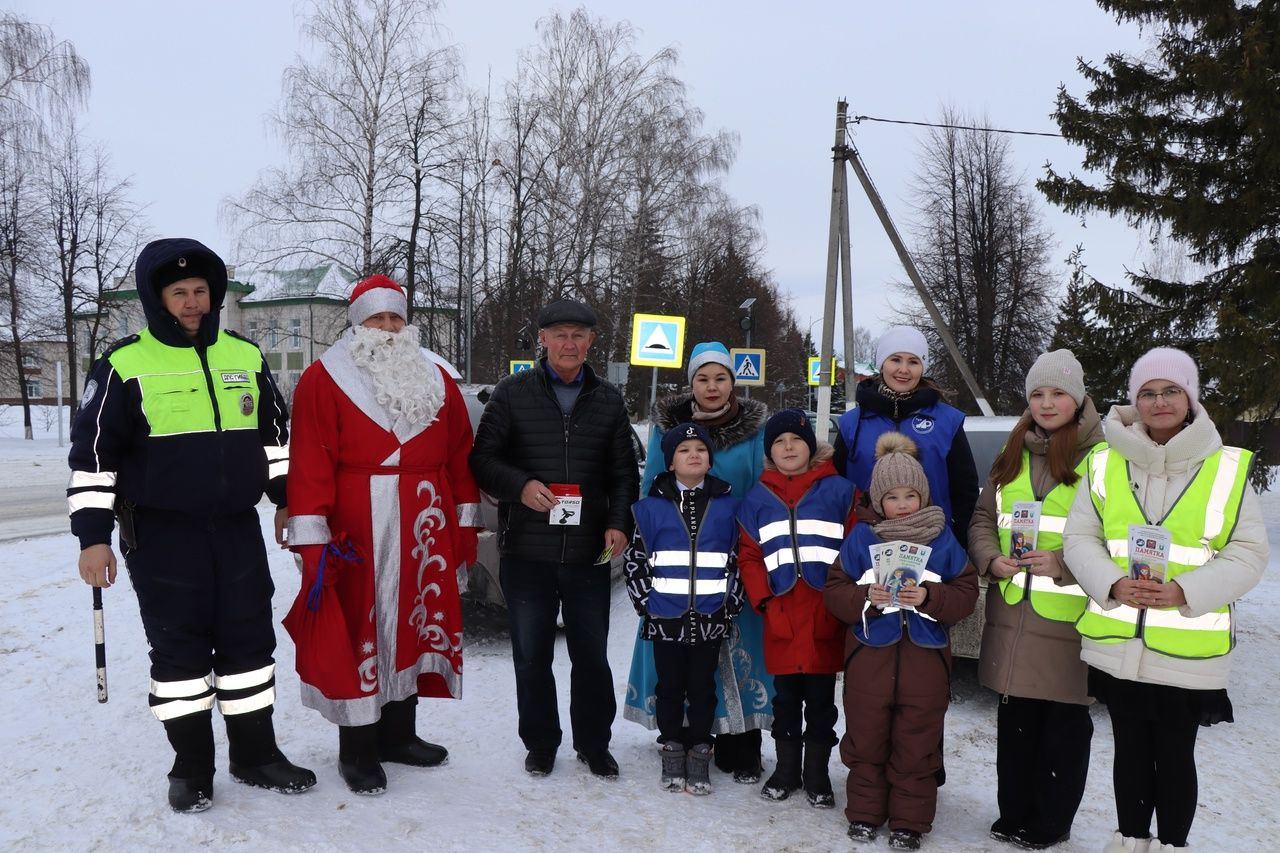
column 1186, row 139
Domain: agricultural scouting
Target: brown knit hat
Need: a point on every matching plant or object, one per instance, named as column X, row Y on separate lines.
column 896, row 466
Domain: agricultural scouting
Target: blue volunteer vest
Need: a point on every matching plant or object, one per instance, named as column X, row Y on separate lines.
column 688, row 573
column 946, row 562
column 808, row 536
column 932, row 429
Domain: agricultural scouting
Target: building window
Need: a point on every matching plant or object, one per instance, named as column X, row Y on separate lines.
column 33, row 388
column 31, row 359
column 295, row 333
column 273, row 337
column 122, row 325
column 294, row 361
column 252, row 329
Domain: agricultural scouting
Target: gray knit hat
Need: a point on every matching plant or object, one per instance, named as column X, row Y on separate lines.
column 1057, row 369
column 897, row 466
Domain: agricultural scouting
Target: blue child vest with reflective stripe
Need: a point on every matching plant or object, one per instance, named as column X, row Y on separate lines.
column 932, row 429
column 1200, row 523
column 947, row 561
column 688, row 572
column 809, row 535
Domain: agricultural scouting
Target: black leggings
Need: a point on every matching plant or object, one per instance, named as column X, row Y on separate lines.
column 1154, row 771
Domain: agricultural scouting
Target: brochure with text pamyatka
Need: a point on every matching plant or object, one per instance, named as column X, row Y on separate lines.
column 1149, row 552
column 901, row 566
column 1024, row 527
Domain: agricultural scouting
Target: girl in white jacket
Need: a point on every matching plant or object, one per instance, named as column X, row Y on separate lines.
column 1159, row 653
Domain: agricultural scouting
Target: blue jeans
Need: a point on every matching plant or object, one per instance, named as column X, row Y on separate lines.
column 534, row 592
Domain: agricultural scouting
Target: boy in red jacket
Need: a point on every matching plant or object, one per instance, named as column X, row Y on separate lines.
column 793, row 522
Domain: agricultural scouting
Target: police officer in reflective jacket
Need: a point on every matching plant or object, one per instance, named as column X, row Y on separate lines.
column 180, row 430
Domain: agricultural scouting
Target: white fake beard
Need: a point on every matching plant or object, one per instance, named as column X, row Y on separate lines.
column 406, row 384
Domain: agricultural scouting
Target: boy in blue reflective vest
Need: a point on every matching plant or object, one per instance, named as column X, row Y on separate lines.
column 897, row 658
column 682, row 577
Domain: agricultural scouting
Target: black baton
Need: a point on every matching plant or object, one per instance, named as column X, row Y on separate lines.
column 100, row 644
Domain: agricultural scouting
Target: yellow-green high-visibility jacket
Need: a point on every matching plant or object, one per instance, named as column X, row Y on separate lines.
column 1200, row 523
column 1048, row 599
column 189, row 429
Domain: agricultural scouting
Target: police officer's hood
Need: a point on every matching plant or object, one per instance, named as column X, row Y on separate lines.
column 162, row 262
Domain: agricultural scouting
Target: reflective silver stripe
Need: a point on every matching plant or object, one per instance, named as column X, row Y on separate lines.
column 469, row 515
column 773, row 530
column 90, row 500
column 1177, row 553
column 706, row 559
column 181, row 708
column 1098, row 473
column 1048, row 523
column 275, row 453
column 278, row 468
column 680, row 586
column 933, row 577
column 808, row 554
column 869, row 576
column 180, row 689
column 92, row 479
column 1215, row 517
column 262, row 699
column 1171, row 618
column 309, row 530
column 1040, row 583
column 1123, row 613
column 244, row 680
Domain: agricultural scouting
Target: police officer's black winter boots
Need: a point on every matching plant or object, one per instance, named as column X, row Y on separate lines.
column 398, row 740
column 256, row 759
column 191, row 779
column 358, row 760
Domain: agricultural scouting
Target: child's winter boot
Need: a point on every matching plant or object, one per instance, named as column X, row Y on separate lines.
column 673, row 772
column 698, row 769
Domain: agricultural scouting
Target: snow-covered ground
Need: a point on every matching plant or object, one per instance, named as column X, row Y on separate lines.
column 82, row 776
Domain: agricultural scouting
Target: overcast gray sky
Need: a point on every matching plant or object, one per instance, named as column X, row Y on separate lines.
column 181, row 90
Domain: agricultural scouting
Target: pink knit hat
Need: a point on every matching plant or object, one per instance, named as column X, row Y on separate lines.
column 1172, row 365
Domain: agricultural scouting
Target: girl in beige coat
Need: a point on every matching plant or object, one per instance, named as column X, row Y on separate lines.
column 1030, row 648
column 1158, row 701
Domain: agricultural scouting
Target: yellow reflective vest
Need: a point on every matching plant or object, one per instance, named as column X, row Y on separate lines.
column 1057, row 603
column 1200, row 524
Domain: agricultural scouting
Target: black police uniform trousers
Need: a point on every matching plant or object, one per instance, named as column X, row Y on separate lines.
column 204, row 590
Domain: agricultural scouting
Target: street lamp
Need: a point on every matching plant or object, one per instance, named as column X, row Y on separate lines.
column 746, row 323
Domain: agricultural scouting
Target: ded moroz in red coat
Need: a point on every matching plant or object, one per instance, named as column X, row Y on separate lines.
column 385, row 624
column 800, row 634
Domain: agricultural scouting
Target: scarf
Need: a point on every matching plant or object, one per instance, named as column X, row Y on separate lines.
column 719, row 417
column 919, row 528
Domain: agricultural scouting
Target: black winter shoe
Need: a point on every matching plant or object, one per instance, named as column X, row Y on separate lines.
column 188, row 796
column 358, row 760
column 1003, row 831
column 601, row 763
column 282, row 776
column 904, row 839
column 539, row 762
column 862, row 832
column 817, row 776
column 786, row 776
column 1028, row 840
column 398, row 740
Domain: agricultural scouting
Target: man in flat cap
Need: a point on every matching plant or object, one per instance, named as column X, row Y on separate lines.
column 554, row 448
column 179, row 432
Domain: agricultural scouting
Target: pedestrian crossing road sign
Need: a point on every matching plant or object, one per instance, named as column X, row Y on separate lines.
column 748, row 366
column 657, row 340
column 519, row 365
column 814, row 363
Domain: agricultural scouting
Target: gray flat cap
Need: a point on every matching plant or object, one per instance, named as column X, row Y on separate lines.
column 566, row 311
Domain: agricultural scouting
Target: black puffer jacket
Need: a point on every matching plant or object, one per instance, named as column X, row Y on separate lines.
column 524, row 436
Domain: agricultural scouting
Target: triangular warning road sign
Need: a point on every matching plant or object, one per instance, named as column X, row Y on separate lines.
column 658, row 340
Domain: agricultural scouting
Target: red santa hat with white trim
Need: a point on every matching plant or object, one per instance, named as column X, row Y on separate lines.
column 376, row 294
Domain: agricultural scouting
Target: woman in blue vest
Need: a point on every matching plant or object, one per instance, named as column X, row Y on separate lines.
column 1159, row 652
column 744, row 688
column 902, row 399
column 1030, row 648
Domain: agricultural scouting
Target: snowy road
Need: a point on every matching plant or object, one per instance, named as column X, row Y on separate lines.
column 83, row 776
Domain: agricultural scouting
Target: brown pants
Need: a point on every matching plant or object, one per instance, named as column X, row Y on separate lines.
column 895, row 699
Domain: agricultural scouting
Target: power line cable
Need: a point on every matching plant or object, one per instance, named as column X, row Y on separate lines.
column 859, row 119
